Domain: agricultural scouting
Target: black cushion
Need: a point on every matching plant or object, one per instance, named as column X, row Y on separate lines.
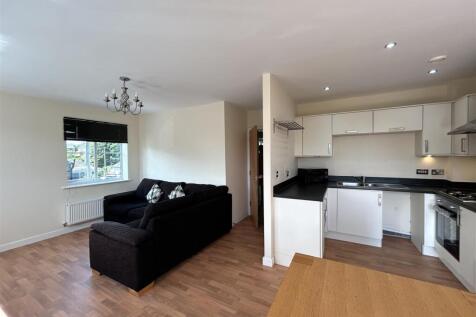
column 136, row 213
column 167, row 188
column 154, row 210
column 122, row 232
column 123, row 208
column 211, row 193
column 191, row 188
column 145, row 186
column 134, row 223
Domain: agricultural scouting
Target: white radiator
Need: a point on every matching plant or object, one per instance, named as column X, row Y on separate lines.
column 83, row 211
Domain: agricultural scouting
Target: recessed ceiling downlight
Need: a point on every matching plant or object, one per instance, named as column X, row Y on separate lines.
column 327, row 88
column 390, row 45
column 437, row 59
column 433, row 71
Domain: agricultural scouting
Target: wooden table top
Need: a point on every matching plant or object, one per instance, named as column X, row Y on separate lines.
column 320, row 287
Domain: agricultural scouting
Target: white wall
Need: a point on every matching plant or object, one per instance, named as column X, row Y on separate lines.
column 236, row 159
column 278, row 153
column 33, row 165
column 187, row 144
column 202, row 144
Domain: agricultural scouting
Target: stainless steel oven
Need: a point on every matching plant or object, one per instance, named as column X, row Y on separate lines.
column 448, row 226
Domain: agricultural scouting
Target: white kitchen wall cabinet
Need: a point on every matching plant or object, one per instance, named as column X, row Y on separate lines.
column 464, row 110
column 352, row 123
column 433, row 139
column 317, row 135
column 398, row 119
column 298, row 228
column 359, row 217
column 298, row 138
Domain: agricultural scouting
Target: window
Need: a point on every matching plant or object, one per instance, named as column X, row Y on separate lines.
column 96, row 152
column 93, row 162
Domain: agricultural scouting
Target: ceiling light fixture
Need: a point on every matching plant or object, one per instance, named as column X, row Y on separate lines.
column 327, row 88
column 433, row 71
column 124, row 104
column 390, row 45
column 437, row 59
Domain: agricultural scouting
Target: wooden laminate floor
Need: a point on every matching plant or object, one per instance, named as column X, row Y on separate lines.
column 397, row 256
column 53, row 278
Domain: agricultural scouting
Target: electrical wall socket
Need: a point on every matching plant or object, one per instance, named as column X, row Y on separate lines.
column 438, row 171
column 422, row 171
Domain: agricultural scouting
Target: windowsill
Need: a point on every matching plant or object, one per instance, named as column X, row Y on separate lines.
column 94, row 183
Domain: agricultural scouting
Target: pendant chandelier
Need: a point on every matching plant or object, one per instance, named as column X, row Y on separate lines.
column 122, row 103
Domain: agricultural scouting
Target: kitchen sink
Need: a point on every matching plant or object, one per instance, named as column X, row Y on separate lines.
column 371, row 185
column 394, row 186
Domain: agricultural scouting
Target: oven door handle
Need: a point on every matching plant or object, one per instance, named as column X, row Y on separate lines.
column 445, row 213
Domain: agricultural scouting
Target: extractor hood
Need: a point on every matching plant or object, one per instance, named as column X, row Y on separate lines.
column 467, row 128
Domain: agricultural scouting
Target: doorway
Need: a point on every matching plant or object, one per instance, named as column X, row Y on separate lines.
column 256, row 175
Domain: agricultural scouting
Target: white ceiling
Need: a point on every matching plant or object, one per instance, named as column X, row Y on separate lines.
column 185, row 52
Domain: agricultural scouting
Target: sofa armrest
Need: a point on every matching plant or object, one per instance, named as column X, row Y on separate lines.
column 120, row 196
column 122, row 233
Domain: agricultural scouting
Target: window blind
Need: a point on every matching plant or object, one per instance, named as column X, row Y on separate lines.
column 94, row 131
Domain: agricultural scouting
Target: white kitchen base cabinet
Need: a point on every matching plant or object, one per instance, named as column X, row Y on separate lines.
column 465, row 268
column 355, row 215
column 298, row 228
column 423, row 220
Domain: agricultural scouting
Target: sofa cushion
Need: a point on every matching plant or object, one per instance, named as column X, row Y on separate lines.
column 191, row 188
column 123, row 208
column 154, row 194
column 211, row 193
column 168, row 187
column 122, row 232
column 177, row 192
column 145, row 186
column 154, row 210
column 136, row 213
column 134, row 223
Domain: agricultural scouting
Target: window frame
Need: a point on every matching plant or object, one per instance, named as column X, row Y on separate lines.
column 82, row 182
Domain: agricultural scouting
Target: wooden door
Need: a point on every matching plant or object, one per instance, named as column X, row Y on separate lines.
column 254, row 174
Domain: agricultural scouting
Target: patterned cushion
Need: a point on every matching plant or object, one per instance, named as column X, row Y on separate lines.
column 177, row 192
column 154, row 194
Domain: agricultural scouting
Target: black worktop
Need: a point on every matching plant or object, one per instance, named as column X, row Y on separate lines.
column 294, row 189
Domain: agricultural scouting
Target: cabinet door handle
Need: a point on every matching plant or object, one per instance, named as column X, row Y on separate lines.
column 328, row 148
column 397, row 129
column 350, row 131
column 463, row 148
column 426, row 146
column 379, row 200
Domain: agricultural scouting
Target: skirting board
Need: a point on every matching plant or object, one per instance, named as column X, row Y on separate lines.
column 268, row 261
column 355, row 239
column 44, row 236
column 429, row 251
